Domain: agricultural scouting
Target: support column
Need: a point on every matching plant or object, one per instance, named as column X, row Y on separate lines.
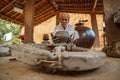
column 29, row 15
column 57, row 18
column 95, row 29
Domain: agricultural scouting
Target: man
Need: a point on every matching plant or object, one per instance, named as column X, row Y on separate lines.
column 65, row 26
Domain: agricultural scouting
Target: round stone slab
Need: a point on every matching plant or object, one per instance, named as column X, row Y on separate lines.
column 78, row 59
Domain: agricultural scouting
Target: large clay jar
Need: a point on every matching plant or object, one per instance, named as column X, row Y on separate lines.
column 86, row 36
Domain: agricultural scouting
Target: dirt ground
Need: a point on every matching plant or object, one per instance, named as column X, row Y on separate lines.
column 16, row 70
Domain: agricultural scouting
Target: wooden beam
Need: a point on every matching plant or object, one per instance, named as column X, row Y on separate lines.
column 94, row 6
column 7, row 5
column 79, row 11
column 36, row 5
column 80, row 4
column 3, row 2
column 41, row 17
column 44, row 12
column 74, row 11
column 29, row 15
column 12, row 19
column 44, row 18
column 57, row 18
column 18, row 13
column 41, row 1
column 95, row 29
column 54, row 4
column 42, row 9
column 9, row 12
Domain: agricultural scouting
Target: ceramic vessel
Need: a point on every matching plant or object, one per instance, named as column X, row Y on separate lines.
column 86, row 36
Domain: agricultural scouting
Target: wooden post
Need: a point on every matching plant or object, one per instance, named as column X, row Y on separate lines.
column 95, row 29
column 29, row 15
column 57, row 18
column 112, row 30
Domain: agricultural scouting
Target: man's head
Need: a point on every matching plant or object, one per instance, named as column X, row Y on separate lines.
column 64, row 18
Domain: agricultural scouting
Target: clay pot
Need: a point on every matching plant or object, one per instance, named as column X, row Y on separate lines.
column 86, row 36
column 45, row 37
column 61, row 37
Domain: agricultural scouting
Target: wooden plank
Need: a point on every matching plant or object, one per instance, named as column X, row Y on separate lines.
column 95, row 29
column 44, row 8
column 45, row 17
column 94, row 6
column 75, row 8
column 10, row 18
column 35, row 6
column 44, row 13
column 39, row 3
column 2, row 2
column 7, row 5
column 79, row 11
column 54, row 4
column 57, row 18
column 29, row 14
column 79, row 4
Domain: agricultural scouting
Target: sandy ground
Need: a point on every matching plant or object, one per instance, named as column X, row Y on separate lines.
column 16, row 70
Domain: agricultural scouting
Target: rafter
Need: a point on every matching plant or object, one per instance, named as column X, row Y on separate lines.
column 44, row 12
column 94, row 6
column 80, row 4
column 43, row 18
column 7, row 5
column 43, row 7
column 79, row 11
column 11, row 18
column 39, row 3
column 16, row 12
column 74, row 4
column 36, row 5
column 3, row 2
column 54, row 4
column 76, row 9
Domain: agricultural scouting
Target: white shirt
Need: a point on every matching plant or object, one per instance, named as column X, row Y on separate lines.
column 74, row 34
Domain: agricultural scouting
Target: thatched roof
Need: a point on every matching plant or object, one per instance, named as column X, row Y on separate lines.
column 45, row 9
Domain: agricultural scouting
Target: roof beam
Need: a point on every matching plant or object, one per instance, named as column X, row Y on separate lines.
column 44, row 12
column 7, row 5
column 36, row 5
column 11, row 18
column 45, row 17
column 94, row 6
column 74, row 4
column 80, row 4
column 54, row 4
column 78, row 11
column 75, row 11
column 3, row 2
